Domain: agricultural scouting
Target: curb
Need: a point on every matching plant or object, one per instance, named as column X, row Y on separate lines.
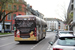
column 6, row 35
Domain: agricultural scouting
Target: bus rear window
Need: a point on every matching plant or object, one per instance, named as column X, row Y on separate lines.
column 24, row 23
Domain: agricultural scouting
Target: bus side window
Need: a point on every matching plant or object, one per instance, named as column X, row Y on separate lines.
column 38, row 25
column 45, row 25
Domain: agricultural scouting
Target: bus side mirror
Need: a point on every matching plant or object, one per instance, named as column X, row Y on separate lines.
column 45, row 26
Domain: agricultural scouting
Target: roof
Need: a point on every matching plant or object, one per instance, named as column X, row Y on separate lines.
column 66, row 35
column 52, row 19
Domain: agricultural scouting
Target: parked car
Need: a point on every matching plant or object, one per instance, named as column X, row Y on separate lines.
column 63, row 33
column 63, row 43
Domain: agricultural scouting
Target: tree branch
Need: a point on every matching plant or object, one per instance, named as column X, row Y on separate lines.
column 7, row 14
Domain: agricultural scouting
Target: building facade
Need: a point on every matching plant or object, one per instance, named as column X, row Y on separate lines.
column 17, row 5
column 22, row 8
column 54, row 24
column 70, row 13
column 31, row 11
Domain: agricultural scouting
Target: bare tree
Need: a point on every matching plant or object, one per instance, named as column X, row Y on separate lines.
column 61, row 11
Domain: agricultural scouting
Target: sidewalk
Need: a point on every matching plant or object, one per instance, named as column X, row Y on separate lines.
column 7, row 35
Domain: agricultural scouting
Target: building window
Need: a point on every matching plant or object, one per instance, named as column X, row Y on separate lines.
column 7, row 26
column 14, row 16
column 23, row 1
column 20, row 8
column 4, row 6
column 12, row 1
column 25, row 9
column 9, row 17
column 9, row 7
column 15, row 8
column 72, row 7
column 16, row 0
column 72, row 1
column 19, row 14
column 5, row 14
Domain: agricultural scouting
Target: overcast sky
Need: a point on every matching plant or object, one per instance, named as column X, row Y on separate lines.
column 50, row 8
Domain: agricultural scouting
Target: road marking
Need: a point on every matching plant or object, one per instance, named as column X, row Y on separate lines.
column 41, row 42
column 48, row 47
column 6, row 44
column 33, row 46
column 37, row 44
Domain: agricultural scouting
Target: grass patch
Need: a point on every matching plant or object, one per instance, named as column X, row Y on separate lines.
column 4, row 33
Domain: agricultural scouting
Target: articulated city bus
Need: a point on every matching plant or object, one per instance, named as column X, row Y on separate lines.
column 29, row 28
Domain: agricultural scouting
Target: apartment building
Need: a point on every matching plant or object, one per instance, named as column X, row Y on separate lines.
column 20, row 6
column 70, row 13
column 54, row 24
column 31, row 11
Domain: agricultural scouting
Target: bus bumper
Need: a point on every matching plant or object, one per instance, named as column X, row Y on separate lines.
column 25, row 39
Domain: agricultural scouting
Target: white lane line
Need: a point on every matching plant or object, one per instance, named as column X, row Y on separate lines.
column 34, row 46
column 6, row 44
column 37, row 44
column 4, row 39
column 48, row 47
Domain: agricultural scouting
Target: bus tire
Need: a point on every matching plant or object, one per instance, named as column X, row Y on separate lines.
column 20, row 42
column 44, row 37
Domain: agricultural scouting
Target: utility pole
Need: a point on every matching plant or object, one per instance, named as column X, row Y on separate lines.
column 74, row 18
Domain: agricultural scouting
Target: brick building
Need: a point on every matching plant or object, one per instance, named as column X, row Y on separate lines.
column 19, row 5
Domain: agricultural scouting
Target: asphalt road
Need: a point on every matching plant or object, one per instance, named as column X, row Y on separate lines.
column 8, row 43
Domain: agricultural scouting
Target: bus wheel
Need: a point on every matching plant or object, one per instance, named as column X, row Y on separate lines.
column 44, row 37
column 20, row 42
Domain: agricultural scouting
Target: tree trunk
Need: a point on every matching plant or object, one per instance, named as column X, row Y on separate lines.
column 3, row 27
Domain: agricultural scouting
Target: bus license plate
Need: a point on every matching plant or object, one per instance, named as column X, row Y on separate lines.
column 24, row 38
